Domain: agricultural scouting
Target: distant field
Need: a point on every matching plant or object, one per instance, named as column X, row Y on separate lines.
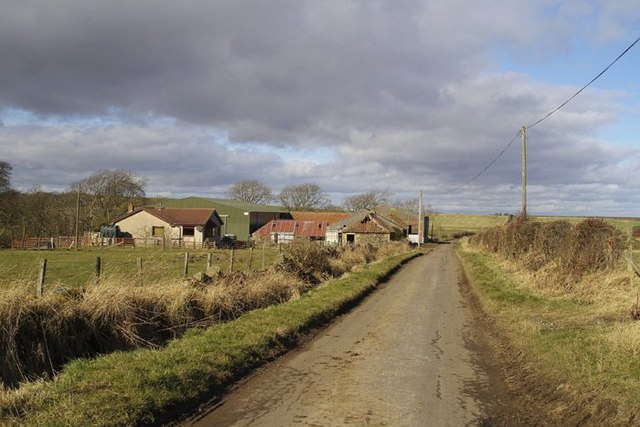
column 444, row 225
column 76, row 268
column 447, row 224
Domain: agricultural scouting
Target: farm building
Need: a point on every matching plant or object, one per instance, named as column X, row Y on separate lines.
column 365, row 226
column 304, row 225
column 174, row 226
column 240, row 219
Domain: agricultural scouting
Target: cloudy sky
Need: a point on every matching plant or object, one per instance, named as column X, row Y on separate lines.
column 354, row 95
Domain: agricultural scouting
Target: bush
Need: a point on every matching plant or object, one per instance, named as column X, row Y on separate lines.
column 570, row 251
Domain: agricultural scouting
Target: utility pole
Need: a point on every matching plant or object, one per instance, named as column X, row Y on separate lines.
column 420, row 221
column 523, row 134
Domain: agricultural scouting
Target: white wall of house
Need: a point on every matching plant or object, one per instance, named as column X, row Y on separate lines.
column 141, row 225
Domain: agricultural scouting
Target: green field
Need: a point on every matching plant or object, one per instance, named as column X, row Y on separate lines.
column 444, row 225
column 77, row 268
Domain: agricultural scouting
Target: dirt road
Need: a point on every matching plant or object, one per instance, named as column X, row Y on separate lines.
column 404, row 357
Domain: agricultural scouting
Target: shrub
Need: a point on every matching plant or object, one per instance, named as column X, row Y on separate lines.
column 566, row 250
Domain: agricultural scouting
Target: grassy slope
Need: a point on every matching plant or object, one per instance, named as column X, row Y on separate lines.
column 592, row 346
column 128, row 388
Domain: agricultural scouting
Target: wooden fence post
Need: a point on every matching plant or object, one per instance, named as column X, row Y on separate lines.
column 98, row 268
column 208, row 260
column 41, row 277
column 186, row 264
column 250, row 257
column 140, row 277
column 231, row 260
column 263, row 250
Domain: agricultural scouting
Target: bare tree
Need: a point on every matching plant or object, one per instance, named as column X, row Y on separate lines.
column 5, row 176
column 368, row 200
column 409, row 205
column 303, row 197
column 8, row 203
column 106, row 194
column 251, row 190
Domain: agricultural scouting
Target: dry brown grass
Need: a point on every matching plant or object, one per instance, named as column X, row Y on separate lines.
column 559, row 251
column 39, row 335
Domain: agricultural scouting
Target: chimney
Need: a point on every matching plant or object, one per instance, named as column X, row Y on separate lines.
column 130, row 208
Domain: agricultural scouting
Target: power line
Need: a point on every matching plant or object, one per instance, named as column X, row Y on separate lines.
column 495, row 159
column 585, row 86
column 479, row 174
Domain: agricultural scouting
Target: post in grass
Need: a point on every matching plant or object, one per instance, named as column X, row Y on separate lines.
column 140, row 277
column 41, row 277
column 186, row 264
column 98, row 268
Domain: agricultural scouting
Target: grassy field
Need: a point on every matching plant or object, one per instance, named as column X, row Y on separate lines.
column 581, row 338
column 445, row 225
column 77, row 268
column 133, row 388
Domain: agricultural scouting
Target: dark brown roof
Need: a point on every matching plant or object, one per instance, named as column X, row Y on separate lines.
column 177, row 216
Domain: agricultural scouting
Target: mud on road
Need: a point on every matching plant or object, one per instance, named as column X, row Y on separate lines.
column 416, row 352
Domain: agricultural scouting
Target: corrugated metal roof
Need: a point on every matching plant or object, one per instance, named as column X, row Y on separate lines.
column 330, row 217
column 298, row 228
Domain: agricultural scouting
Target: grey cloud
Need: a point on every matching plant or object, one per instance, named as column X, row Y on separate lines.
column 404, row 93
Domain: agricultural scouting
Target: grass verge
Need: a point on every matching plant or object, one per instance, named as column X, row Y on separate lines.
column 142, row 386
column 587, row 348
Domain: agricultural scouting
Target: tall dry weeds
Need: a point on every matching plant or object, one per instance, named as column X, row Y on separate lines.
column 39, row 335
column 564, row 252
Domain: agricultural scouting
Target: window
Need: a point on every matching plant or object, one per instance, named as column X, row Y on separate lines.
column 157, row 231
column 187, row 231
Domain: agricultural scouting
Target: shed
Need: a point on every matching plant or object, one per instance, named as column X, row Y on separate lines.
column 365, row 226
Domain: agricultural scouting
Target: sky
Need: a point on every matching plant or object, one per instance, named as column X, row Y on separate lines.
column 353, row 95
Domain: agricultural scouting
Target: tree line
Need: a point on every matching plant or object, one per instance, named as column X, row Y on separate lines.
column 88, row 204
column 310, row 196
column 95, row 201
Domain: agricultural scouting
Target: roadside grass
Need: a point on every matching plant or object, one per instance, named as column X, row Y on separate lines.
column 445, row 225
column 142, row 386
column 624, row 224
column 581, row 338
column 77, row 268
